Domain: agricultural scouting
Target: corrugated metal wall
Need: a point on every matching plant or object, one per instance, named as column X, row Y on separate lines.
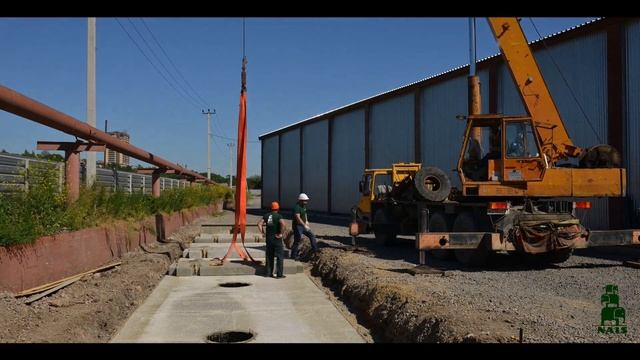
column 391, row 131
column 583, row 62
column 315, row 156
column 290, row 168
column 347, row 161
column 631, row 156
column 441, row 132
column 270, row 170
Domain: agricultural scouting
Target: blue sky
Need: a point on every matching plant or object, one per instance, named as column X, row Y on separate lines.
column 298, row 67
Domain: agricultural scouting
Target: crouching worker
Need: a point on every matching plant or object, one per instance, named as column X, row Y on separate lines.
column 274, row 225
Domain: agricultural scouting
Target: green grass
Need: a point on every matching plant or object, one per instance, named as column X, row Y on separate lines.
column 43, row 210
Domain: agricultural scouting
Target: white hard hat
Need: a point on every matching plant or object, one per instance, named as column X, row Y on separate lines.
column 303, row 196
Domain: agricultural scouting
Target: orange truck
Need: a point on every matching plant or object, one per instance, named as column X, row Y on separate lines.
column 516, row 194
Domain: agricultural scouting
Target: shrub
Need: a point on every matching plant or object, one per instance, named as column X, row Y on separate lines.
column 43, row 210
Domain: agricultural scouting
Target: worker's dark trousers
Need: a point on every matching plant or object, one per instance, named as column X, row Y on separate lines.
column 298, row 231
column 275, row 248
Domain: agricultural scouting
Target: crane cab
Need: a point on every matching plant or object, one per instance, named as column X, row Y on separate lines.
column 501, row 156
column 500, row 149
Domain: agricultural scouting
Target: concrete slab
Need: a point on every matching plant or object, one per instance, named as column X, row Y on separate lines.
column 208, row 268
column 255, row 250
column 188, row 309
column 196, row 253
column 187, row 267
column 222, row 227
column 226, row 238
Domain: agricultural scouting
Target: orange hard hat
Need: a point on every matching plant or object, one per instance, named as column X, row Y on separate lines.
column 275, row 205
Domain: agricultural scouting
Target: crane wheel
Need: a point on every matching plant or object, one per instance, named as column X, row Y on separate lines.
column 383, row 228
column 465, row 222
column 601, row 156
column 432, row 184
column 438, row 223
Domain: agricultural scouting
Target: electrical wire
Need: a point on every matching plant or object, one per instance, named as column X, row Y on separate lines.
column 173, row 64
column 195, row 101
column 566, row 82
column 151, row 62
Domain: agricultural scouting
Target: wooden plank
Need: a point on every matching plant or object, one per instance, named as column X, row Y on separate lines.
column 57, row 282
column 52, row 290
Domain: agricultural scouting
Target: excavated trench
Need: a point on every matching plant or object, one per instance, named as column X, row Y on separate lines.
column 391, row 311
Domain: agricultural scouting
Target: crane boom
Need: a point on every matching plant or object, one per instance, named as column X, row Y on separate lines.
column 551, row 131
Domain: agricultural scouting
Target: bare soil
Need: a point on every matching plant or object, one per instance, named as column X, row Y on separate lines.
column 94, row 308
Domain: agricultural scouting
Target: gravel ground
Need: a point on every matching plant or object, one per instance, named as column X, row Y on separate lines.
column 95, row 307
column 559, row 303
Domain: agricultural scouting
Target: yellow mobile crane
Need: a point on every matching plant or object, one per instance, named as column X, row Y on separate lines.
column 515, row 195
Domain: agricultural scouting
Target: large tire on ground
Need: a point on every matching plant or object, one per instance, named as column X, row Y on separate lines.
column 432, row 184
column 465, row 222
column 383, row 228
column 438, row 222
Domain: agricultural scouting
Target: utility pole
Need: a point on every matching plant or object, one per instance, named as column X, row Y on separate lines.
column 209, row 113
column 91, row 94
column 230, row 145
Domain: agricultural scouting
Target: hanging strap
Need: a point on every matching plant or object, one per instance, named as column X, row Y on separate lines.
column 241, row 175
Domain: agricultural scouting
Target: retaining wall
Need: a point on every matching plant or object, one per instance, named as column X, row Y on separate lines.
column 51, row 258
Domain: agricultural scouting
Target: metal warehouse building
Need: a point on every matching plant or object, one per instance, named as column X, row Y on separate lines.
column 600, row 60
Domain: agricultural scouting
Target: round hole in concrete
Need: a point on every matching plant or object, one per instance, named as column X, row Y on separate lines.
column 230, row 337
column 234, row 284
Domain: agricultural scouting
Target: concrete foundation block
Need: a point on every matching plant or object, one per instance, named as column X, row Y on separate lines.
column 187, row 267
column 226, row 238
column 196, row 253
column 203, row 238
column 231, row 268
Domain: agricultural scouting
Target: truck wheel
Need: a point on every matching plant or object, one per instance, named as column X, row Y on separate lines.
column 383, row 228
column 432, row 184
column 465, row 222
column 438, row 223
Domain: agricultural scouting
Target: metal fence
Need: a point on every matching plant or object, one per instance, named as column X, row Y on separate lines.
column 17, row 172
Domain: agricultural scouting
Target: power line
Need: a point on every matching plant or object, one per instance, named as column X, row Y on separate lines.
column 171, row 61
column 151, row 62
column 218, row 127
column 162, row 64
